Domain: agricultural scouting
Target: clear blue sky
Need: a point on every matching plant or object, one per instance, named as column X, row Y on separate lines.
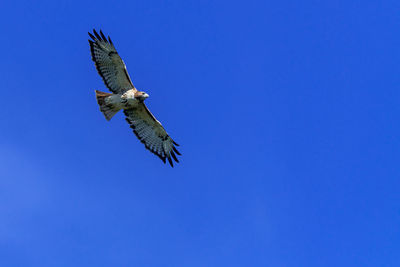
column 287, row 113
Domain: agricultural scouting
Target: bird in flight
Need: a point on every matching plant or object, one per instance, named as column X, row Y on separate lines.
column 126, row 97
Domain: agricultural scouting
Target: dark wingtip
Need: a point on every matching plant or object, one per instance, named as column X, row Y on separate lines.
column 102, row 35
column 109, row 40
column 175, row 143
column 91, row 36
column 176, row 151
column 170, row 162
column 97, row 35
column 173, row 155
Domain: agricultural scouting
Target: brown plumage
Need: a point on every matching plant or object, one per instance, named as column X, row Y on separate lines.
column 125, row 96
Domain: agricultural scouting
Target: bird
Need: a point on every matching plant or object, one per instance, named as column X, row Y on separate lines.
column 126, row 97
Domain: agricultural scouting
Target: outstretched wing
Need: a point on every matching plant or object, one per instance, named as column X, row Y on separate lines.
column 109, row 64
column 151, row 133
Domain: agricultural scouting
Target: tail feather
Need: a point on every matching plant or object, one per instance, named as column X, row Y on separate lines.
column 108, row 110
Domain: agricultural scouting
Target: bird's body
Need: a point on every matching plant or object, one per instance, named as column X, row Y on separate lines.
column 126, row 97
column 116, row 102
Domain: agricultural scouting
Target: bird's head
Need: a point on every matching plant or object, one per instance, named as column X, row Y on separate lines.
column 141, row 96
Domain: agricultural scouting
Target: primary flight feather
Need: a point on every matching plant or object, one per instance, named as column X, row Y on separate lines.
column 126, row 97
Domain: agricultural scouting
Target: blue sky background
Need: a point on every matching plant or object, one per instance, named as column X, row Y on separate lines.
column 287, row 113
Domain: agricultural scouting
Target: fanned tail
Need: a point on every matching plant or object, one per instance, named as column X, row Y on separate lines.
column 108, row 110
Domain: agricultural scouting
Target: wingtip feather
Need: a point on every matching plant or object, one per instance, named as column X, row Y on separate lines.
column 173, row 155
column 91, row 36
column 102, row 35
column 97, row 35
column 176, row 151
column 170, row 162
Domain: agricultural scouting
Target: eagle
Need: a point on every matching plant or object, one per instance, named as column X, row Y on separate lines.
column 125, row 96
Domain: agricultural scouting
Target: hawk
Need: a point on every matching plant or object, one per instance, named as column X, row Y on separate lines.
column 126, row 97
